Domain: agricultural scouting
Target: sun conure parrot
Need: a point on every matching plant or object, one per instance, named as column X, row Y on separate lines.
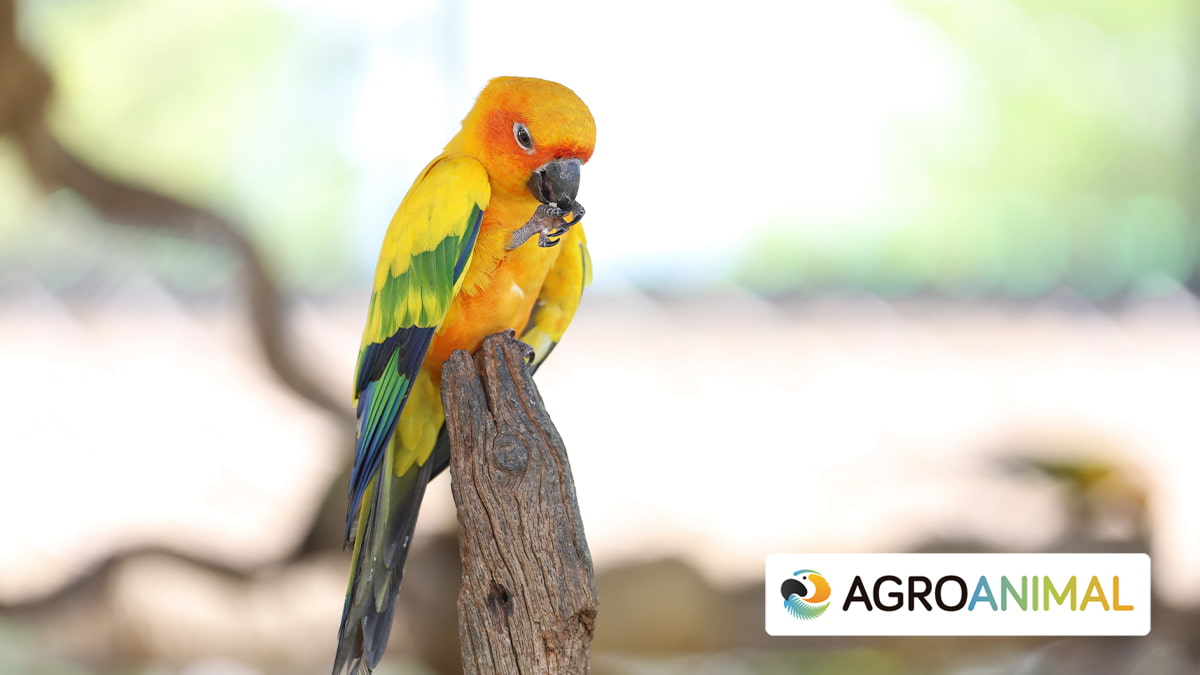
column 459, row 262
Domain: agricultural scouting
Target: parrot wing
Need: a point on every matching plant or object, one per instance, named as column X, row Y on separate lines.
column 561, row 292
column 425, row 254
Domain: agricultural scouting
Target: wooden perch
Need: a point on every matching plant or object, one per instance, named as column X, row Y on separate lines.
column 528, row 597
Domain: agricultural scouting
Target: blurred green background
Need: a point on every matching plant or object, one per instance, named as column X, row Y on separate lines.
column 940, row 254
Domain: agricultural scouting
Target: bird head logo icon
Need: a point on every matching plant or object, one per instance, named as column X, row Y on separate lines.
column 805, row 594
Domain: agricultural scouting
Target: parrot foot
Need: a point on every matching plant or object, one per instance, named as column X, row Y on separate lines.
column 543, row 223
column 527, row 350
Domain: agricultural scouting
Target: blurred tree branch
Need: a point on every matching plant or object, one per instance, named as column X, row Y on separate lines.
column 25, row 91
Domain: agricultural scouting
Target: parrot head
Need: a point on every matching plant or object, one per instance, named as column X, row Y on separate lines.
column 531, row 136
column 808, row 585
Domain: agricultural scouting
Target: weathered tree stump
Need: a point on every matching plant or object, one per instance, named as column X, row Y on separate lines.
column 528, row 598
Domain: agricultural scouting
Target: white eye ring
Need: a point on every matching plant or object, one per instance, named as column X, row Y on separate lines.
column 523, row 138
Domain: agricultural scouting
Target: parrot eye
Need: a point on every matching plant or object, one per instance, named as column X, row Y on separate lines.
column 523, row 138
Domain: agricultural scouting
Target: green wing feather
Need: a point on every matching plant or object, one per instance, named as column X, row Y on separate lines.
column 424, row 257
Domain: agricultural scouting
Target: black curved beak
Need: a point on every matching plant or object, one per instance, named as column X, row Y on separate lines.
column 793, row 587
column 556, row 182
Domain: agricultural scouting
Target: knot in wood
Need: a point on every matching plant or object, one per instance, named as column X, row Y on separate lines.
column 511, row 454
column 499, row 600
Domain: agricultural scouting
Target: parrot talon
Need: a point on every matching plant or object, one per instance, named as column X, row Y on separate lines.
column 578, row 211
column 528, row 352
column 550, row 237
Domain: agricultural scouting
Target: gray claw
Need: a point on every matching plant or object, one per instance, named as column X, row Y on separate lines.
column 528, row 352
column 578, row 210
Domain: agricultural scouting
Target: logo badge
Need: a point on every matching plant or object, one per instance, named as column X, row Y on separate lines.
column 957, row 594
column 805, row 594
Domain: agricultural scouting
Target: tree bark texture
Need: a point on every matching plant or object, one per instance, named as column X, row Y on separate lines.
column 528, row 597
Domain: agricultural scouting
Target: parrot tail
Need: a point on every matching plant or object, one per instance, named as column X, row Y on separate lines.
column 385, row 525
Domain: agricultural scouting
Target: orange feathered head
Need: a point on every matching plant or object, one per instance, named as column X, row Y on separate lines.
column 520, row 126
